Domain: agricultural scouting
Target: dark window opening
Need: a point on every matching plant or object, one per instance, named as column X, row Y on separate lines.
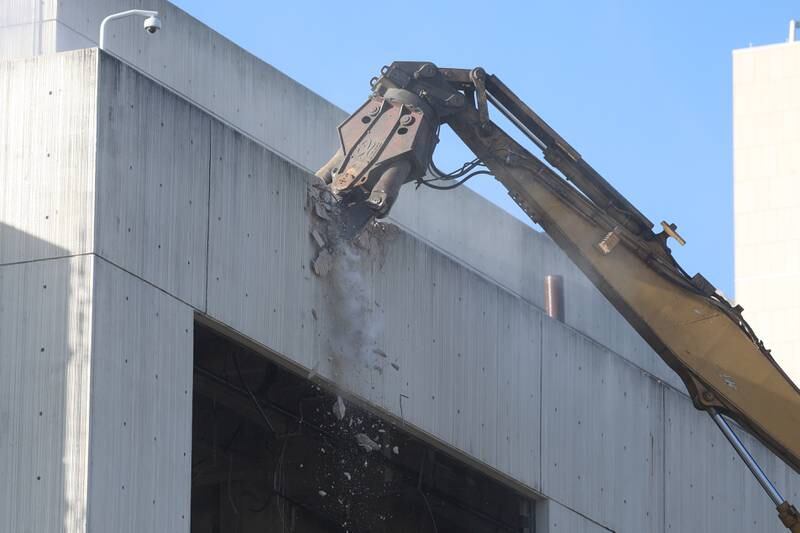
column 270, row 454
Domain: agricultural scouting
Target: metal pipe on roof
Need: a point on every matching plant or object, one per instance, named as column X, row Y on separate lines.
column 554, row 297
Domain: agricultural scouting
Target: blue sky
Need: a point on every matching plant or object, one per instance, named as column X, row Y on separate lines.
column 641, row 89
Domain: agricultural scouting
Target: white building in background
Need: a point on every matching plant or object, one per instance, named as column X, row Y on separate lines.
column 155, row 277
column 766, row 155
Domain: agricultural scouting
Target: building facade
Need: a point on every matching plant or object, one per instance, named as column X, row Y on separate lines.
column 766, row 154
column 165, row 356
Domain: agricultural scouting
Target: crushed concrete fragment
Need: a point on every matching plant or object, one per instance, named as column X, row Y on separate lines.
column 366, row 443
column 321, row 211
column 396, row 450
column 339, row 408
column 318, row 238
column 322, row 493
column 323, row 263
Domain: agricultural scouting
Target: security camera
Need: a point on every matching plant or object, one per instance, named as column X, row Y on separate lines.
column 152, row 24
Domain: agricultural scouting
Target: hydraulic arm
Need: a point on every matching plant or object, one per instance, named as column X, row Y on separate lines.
column 390, row 140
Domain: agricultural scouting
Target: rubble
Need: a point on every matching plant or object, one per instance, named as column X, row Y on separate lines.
column 318, row 238
column 323, row 263
column 366, row 443
column 339, row 408
column 321, row 210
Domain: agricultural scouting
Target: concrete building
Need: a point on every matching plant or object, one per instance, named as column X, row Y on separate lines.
column 165, row 361
column 766, row 112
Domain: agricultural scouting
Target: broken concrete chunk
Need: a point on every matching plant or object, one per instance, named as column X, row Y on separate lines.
column 339, row 408
column 396, row 450
column 366, row 443
column 321, row 212
column 323, row 263
column 318, row 238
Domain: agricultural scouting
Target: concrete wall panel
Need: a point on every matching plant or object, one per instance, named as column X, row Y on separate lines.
column 153, row 164
column 45, row 342
column 259, row 276
column 708, row 488
column 47, row 143
column 551, row 517
column 141, row 419
column 602, row 433
column 467, row 357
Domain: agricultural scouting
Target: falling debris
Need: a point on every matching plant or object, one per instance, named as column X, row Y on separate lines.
column 321, row 210
column 323, row 263
column 339, row 408
column 396, row 450
column 395, row 366
column 366, row 443
column 318, row 238
column 348, row 476
column 323, row 493
column 380, row 352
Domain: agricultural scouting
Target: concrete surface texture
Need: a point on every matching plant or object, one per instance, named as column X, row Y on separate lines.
column 167, row 219
column 766, row 111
